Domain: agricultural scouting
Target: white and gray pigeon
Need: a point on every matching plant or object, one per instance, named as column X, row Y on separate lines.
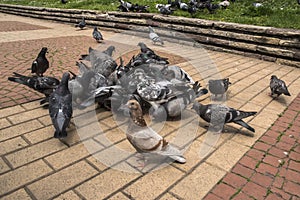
column 81, row 24
column 40, row 64
column 97, row 34
column 154, row 37
column 278, row 87
column 60, row 107
column 45, row 85
column 164, row 9
column 219, row 114
column 144, row 139
column 218, row 86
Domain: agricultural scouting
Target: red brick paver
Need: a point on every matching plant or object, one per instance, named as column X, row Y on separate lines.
column 276, row 174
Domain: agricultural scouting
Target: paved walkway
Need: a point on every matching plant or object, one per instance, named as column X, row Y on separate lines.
column 96, row 161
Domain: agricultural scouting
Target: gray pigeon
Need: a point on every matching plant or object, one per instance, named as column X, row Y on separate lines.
column 60, row 107
column 45, row 85
column 101, row 62
column 218, row 86
column 218, row 115
column 97, row 35
column 81, row 24
column 40, row 64
column 278, row 87
column 154, row 37
column 109, row 51
column 144, row 139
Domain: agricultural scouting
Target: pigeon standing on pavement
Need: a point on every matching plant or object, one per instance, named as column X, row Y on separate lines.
column 154, row 37
column 97, row 35
column 144, row 139
column 40, row 64
column 218, row 86
column 81, row 24
column 218, row 115
column 278, row 87
column 45, row 85
column 60, row 107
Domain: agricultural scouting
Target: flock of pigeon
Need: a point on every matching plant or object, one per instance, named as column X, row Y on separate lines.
column 167, row 9
column 146, row 83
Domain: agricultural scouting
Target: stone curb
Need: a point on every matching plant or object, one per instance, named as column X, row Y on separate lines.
column 267, row 43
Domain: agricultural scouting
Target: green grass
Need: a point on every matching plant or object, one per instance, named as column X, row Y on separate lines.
column 275, row 13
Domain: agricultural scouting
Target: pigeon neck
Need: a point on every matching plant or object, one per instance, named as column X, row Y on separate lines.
column 138, row 119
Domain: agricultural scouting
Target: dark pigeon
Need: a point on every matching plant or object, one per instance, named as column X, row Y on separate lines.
column 218, row 86
column 81, row 24
column 40, row 64
column 218, row 115
column 60, row 107
column 148, row 53
column 278, row 87
column 125, row 6
column 45, row 85
column 64, row 1
column 192, row 9
column 97, row 35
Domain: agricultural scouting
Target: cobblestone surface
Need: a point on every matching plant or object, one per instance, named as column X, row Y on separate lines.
column 86, row 165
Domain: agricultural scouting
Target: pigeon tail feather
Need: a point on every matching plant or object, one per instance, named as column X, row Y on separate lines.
column 244, row 124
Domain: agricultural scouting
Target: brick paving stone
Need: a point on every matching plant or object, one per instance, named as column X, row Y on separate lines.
column 224, row 191
column 267, row 169
column 271, row 160
column 243, row 171
column 40, row 135
column 70, row 195
column 154, row 183
column 19, row 129
column 34, row 152
column 72, row 154
column 248, row 162
column 292, row 175
column 294, row 165
column 268, row 140
column 294, row 156
column 4, row 123
column 256, row 154
column 121, row 196
column 234, row 180
column 3, row 166
column 254, row 190
column 62, row 180
column 277, row 152
column 262, row 146
column 12, row 145
column 203, row 177
column 242, row 196
column 97, row 187
column 19, row 194
column 273, row 197
column 10, row 111
column 280, row 193
column 23, row 175
column 262, row 180
column 278, row 182
column 212, row 196
column 19, row 26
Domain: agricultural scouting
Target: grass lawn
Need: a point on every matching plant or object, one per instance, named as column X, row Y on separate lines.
column 276, row 13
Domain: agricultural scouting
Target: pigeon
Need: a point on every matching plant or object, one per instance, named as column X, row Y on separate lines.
column 101, row 62
column 154, row 37
column 97, row 35
column 212, row 7
column 224, row 4
column 64, row 1
column 140, row 8
column 40, row 64
column 148, row 53
column 45, row 85
column 192, row 9
column 109, row 50
column 183, row 6
column 144, row 139
column 164, row 9
column 219, row 114
column 125, row 6
column 278, row 87
column 60, row 107
column 81, row 24
column 171, row 100
column 218, row 86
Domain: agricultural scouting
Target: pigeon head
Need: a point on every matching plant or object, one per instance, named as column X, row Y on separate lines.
column 43, row 51
column 150, row 29
column 273, row 77
column 95, row 28
column 141, row 44
column 65, row 78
